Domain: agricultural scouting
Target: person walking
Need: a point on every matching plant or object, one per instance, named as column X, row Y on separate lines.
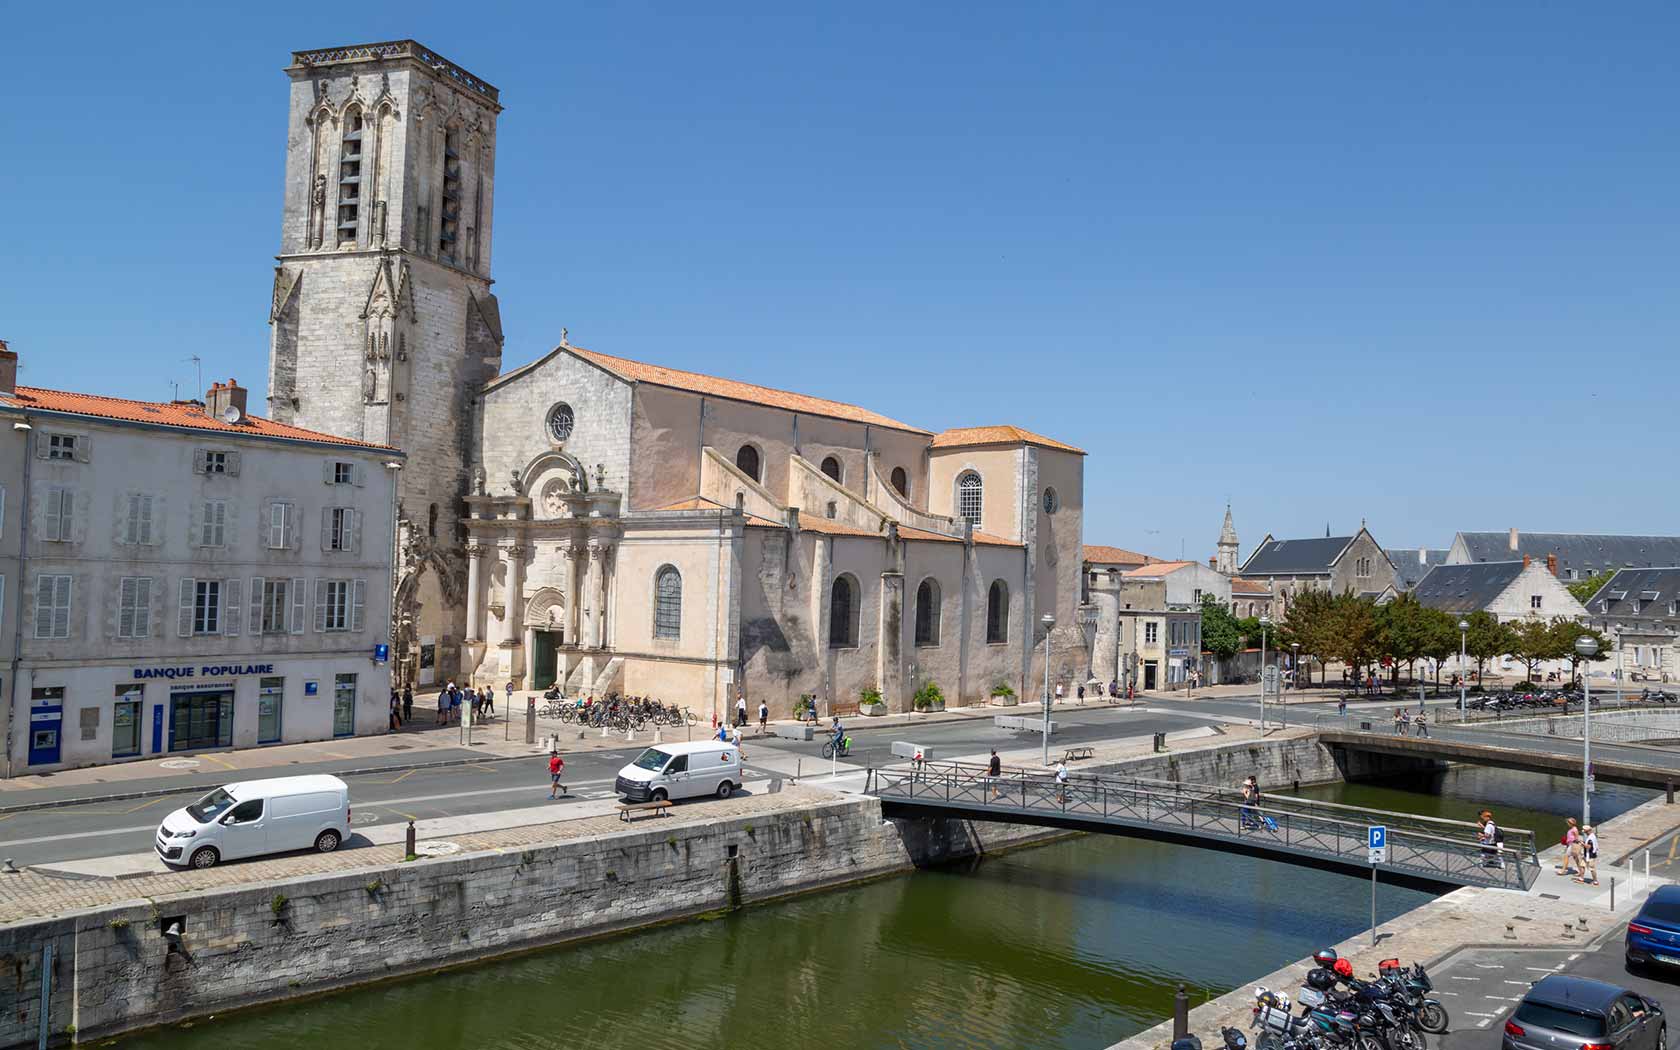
column 1082, row 694
column 1571, row 864
column 408, row 703
column 1399, row 728
column 1421, row 723
column 1589, row 856
column 1059, row 689
column 1061, row 782
column 556, row 770
column 1491, row 839
column 763, row 718
column 443, row 706
column 396, row 710
column 740, row 710
column 1341, row 705
column 1248, row 814
column 994, row 772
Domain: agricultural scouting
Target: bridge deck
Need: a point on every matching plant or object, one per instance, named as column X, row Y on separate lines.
column 1302, row 831
column 1635, row 765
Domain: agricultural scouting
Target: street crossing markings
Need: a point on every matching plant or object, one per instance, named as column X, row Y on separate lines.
column 1520, row 984
column 1543, row 969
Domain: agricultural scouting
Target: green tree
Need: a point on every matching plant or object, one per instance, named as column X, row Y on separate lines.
column 1487, row 638
column 1440, row 638
column 1401, row 630
column 1221, row 632
column 1533, row 640
column 1308, row 621
column 1583, row 590
column 1353, row 634
column 1565, row 631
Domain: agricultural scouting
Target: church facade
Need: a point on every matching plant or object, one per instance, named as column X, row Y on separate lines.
column 614, row 526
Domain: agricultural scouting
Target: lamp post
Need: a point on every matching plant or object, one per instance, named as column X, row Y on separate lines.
column 1265, row 622
column 1587, row 647
column 1463, row 637
column 1048, row 621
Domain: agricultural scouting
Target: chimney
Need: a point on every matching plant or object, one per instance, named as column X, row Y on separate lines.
column 1423, row 557
column 1513, row 541
column 1551, row 564
column 8, row 369
column 222, row 396
column 1525, row 561
column 1213, row 561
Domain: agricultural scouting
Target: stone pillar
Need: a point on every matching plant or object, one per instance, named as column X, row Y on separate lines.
column 475, row 568
column 574, row 594
column 1105, row 654
column 513, row 613
column 592, row 609
column 889, row 656
column 607, row 609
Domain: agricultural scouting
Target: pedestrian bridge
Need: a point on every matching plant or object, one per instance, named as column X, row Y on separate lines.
column 1422, row 851
column 1636, row 766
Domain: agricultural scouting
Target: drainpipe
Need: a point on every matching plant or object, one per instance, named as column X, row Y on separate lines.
column 22, row 426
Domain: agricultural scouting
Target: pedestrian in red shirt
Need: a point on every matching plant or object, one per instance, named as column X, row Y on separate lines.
column 556, row 769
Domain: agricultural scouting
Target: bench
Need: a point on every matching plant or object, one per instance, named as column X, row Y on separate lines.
column 658, row 807
column 1074, row 753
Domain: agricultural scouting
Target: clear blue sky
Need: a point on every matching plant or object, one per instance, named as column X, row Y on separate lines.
column 1414, row 263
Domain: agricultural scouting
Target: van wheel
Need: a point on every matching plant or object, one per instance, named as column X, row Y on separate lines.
column 327, row 841
column 205, row 857
column 659, row 795
column 725, row 789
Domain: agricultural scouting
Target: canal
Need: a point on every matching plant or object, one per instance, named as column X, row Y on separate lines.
column 1073, row 945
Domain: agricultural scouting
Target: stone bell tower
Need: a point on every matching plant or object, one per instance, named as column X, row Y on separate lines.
column 1226, row 560
column 383, row 323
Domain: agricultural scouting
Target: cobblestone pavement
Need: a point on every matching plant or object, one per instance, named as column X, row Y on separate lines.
column 33, row 895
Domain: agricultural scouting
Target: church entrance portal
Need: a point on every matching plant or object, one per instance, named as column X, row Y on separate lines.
column 544, row 658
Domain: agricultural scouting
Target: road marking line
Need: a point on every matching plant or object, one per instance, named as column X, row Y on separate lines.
column 1465, row 978
column 404, row 776
column 1577, row 955
column 1487, row 966
column 143, row 805
column 1483, row 1024
column 1543, row 969
column 1520, row 984
column 220, row 761
column 1467, row 1013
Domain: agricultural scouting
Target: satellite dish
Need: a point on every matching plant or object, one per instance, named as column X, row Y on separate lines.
column 231, row 414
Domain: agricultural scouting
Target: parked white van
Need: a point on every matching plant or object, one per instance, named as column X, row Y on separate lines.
column 672, row 771
column 255, row 817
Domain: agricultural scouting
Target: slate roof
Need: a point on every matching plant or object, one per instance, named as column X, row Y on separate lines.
column 1409, row 568
column 999, row 435
column 1586, row 554
column 1466, row 588
column 1295, row 557
column 1642, row 594
column 177, row 415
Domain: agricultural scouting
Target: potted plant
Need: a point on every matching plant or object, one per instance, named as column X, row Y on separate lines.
column 1003, row 696
column 870, row 702
column 929, row 698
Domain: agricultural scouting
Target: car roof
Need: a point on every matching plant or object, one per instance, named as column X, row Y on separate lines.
column 1669, row 893
column 1575, row 993
column 688, row 747
column 246, row 789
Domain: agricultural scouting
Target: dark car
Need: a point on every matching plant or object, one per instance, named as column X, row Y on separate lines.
column 1561, row 1012
column 1653, row 936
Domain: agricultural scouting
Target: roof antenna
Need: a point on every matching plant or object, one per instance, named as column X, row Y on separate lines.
column 1327, row 530
column 198, row 370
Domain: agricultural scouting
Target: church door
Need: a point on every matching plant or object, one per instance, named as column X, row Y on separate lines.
column 544, row 662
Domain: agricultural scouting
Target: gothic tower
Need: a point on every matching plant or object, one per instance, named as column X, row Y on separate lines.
column 383, row 322
column 1227, row 562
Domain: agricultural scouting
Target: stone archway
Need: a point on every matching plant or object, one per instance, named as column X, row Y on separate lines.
column 429, row 587
column 545, row 637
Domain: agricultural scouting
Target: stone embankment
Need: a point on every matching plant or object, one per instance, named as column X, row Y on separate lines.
column 131, row 954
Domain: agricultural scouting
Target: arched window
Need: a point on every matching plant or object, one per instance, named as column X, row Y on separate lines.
column 969, row 493
column 449, row 228
column 747, row 460
column 997, row 612
column 927, row 613
column 833, row 509
column 901, row 482
column 1052, row 502
column 350, row 178
column 843, row 612
column 667, row 603
column 431, row 521
column 831, row 467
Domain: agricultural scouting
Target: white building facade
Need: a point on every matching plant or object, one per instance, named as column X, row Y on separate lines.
column 187, row 577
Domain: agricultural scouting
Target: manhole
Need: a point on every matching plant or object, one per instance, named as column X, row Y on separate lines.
column 179, row 763
column 436, row 849
column 402, row 747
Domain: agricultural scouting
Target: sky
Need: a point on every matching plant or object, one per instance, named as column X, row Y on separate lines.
column 1407, row 263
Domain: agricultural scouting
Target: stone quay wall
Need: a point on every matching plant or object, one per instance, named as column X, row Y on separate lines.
column 114, row 969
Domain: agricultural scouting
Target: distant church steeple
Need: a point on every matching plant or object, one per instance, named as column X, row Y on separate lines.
column 1226, row 561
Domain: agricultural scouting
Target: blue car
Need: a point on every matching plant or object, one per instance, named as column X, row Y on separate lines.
column 1653, row 936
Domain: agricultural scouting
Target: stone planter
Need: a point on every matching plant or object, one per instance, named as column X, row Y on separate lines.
column 1005, row 701
column 872, row 710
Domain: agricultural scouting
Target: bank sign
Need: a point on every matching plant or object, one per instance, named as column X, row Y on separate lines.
column 206, row 671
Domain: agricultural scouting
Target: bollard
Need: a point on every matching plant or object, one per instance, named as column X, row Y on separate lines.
column 1181, row 1013
column 1671, row 792
column 531, row 720
column 1581, row 922
column 1510, row 931
column 408, row 847
column 1612, row 893
column 1568, row 931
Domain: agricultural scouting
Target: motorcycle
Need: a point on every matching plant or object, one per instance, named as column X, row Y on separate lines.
column 1414, row 983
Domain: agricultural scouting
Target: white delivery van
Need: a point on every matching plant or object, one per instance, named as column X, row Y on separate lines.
column 256, row 817
column 672, row 771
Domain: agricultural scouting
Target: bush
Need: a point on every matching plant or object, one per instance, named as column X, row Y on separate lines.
column 869, row 695
column 1002, row 689
column 1524, row 687
column 927, row 696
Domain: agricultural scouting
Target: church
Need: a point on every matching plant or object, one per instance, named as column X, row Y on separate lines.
column 610, row 525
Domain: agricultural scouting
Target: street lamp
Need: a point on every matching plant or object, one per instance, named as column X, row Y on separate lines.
column 1048, row 621
column 1587, row 647
column 1463, row 636
column 1265, row 622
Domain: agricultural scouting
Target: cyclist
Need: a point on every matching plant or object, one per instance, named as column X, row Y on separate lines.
column 839, row 736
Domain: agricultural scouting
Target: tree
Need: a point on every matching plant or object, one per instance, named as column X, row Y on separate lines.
column 1308, row 621
column 1221, row 632
column 1565, row 631
column 1583, row 590
column 1533, row 640
column 1486, row 639
column 1440, row 638
column 1353, row 634
column 1401, row 624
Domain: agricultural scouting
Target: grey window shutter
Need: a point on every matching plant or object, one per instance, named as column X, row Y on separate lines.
column 358, row 604
column 84, row 448
column 233, row 464
column 81, row 515
column 320, row 605
column 353, row 525
column 327, row 471
column 359, row 474
column 119, row 618
column 300, row 588
column 143, row 607
column 230, row 517
column 185, row 624
column 42, row 445
column 292, row 540
column 233, row 612
column 146, row 520
column 257, row 606
column 61, row 606
column 201, row 460
column 53, row 511
column 326, row 528
column 195, row 525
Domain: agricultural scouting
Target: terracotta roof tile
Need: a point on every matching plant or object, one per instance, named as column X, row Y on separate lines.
column 1242, row 586
column 1156, row 569
column 658, row 375
column 1099, row 555
column 999, row 435
column 188, row 415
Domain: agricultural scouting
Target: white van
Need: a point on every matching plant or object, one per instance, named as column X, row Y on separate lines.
column 255, row 817
column 672, row 771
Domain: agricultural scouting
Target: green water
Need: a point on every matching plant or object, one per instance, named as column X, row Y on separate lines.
column 1073, row 945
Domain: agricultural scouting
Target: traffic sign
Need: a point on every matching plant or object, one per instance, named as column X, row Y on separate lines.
column 1376, row 841
column 1377, row 856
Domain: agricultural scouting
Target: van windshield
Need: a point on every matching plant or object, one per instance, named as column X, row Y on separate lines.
column 653, row 759
column 210, row 806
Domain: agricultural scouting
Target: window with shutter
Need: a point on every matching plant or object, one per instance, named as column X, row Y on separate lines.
column 184, row 620
column 233, row 612
column 299, row 591
column 231, row 464
column 259, row 605
column 320, row 605
column 60, row 514
column 277, row 514
column 213, row 524
column 207, row 607
column 134, row 607
column 52, row 606
column 358, row 604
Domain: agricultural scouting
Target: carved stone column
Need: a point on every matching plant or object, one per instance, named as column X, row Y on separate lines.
column 605, row 638
column 592, row 608
column 513, row 615
column 570, row 551
column 475, row 569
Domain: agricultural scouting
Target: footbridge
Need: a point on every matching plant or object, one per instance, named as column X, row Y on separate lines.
column 1485, row 745
column 1422, row 851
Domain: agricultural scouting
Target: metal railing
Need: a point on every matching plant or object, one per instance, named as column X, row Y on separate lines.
column 1422, row 847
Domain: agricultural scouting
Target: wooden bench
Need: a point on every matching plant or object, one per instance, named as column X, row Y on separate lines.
column 1074, row 753
column 658, row 807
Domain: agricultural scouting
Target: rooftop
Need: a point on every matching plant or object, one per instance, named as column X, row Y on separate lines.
column 178, row 415
column 1412, row 564
column 1099, row 555
column 1580, row 554
column 830, row 527
column 998, row 435
column 1466, row 588
column 1242, row 586
column 333, row 56
column 1156, row 569
column 1637, row 593
column 1295, row 557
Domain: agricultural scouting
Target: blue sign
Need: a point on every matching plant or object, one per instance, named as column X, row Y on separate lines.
column 311, row 688
column 381, row 653
column 1376, row 836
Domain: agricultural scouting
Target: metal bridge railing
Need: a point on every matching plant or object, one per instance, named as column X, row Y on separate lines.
column 1446, row 851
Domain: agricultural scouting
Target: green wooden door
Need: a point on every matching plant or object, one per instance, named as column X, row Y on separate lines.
column 544, row 660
